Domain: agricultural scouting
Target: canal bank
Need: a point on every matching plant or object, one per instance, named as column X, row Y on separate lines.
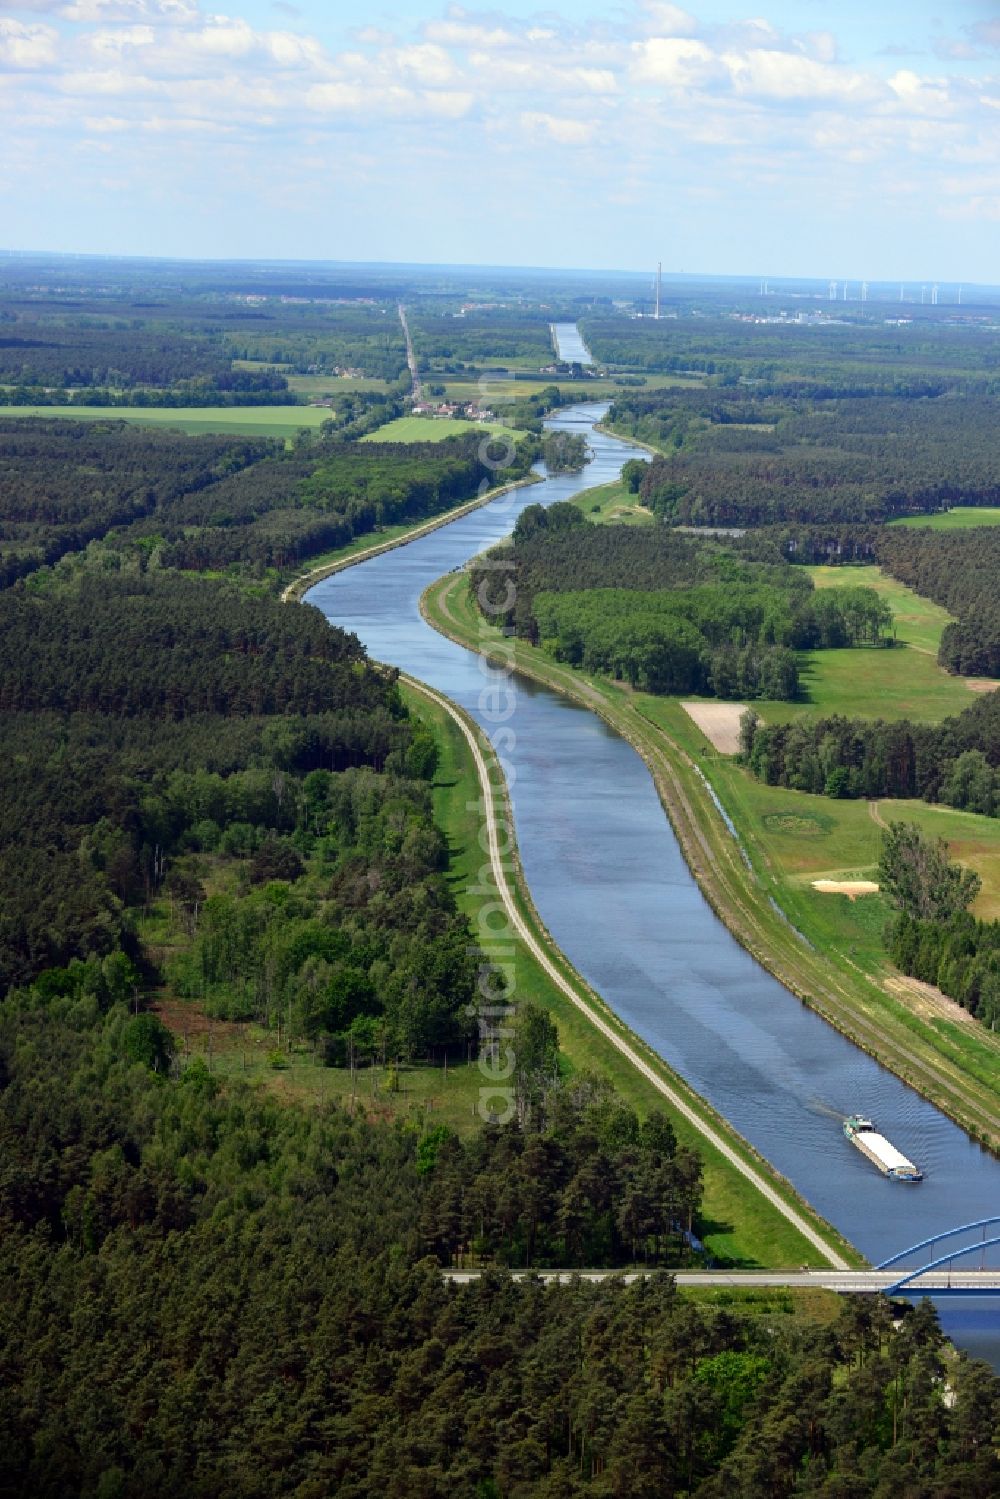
column 611, row 885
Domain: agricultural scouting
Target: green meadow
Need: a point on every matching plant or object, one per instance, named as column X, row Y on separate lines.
column 433, row 429
column 902, row 682
column 500, row 387
column 253, row 421
column 613, row 504
column 961, row 518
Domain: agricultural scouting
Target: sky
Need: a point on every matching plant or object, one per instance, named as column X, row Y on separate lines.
column 760, row 138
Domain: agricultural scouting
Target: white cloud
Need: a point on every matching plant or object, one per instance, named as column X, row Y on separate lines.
column 789, row 76
column 428, row 64
column 113, row 43
column 669, row 20
column 460, row 33
column 565, row 132
column 27, row 44
column 676, row 62
column 290, row 50
column 922, row 95
column 102, row 11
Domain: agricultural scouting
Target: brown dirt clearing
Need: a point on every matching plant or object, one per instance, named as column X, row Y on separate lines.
column 719, row 722
column 851, row 888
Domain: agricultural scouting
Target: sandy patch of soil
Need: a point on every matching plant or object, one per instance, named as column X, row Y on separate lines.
column 719, row 722
column 927, row 1001
column 981, row 684
column 851, row 888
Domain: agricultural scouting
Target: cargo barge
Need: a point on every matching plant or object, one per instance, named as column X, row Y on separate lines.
column 862, row 1133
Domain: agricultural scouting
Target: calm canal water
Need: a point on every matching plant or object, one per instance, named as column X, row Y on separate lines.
column 612, row 886
column 570, row 345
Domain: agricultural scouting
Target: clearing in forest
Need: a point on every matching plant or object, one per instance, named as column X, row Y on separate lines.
column 851, row 888
column 719, row 722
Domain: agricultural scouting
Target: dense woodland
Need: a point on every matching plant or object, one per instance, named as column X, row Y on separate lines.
column 168, row 349
column 161, row 732
column 481, row 338
column 736, row 458
column 665, row 612
column 210, row 1293
column 844, row 358
column 64, row 484
column 323, row 339
column 200, row 503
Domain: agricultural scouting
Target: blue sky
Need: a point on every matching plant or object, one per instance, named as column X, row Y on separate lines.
column 857, row 140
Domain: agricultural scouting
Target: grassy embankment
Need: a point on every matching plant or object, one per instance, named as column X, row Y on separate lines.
column 842, row 972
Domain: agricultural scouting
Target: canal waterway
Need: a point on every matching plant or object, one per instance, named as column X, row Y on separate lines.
column 610, row 882
column 569, row 345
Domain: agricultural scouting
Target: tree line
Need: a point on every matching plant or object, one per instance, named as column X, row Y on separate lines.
column 320, row 497
column 933, row 936
column 754, row 462
column 958, row 570
column 955, row 761
column 318, row 338
column 480, row 337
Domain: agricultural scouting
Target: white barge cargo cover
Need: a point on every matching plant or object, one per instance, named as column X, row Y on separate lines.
column 888, row 1157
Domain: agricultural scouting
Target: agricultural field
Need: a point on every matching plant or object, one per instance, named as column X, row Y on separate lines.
column 961, row 518
column 319, row 387
column 613, row 504
column 314, row 387
column 498, row 387
column 433, row 429
column 254, row 421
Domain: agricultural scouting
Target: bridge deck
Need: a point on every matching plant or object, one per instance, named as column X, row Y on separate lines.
column 935, row 1283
